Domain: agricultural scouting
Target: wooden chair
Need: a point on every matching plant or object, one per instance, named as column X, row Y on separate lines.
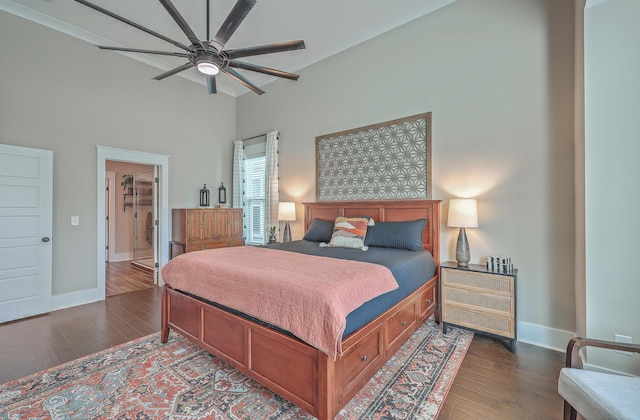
column 597, row 395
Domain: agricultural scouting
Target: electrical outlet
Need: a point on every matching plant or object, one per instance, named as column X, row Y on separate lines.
column 618, row 338
column 75, row 220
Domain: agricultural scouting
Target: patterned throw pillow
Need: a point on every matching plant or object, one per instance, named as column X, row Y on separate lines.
column 349, row 232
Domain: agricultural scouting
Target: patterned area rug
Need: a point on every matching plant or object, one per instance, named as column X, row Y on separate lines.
column 145, row 379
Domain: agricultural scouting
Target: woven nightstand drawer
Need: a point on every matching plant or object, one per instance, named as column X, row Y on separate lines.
column 479, row 281
column 498, row 304
column 480, row 321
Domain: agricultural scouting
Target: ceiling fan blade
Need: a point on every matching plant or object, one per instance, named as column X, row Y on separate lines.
column 208, row 14
column 135, row 25
column 174, row 71
column 241, row 79
column 136, row 50
column 231, row 23
column 211, row 84
column 180, row 21
column 265, row 49
column 261, row 69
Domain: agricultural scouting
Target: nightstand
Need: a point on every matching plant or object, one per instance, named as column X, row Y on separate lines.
column 479, row 300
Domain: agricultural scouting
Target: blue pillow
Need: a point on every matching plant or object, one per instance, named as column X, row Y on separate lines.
column 402, row 235
column 319, row 231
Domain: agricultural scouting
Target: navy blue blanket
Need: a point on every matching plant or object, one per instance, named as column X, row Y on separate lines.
column 411, row 270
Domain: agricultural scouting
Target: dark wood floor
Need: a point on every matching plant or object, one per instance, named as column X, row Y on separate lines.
column 121, row 277
column 40, row 342
column 492, row 383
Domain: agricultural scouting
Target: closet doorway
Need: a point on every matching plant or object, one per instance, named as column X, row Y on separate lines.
column 130, row 227
column 160, row 164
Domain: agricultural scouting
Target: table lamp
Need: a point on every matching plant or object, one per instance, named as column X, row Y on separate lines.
column 286, row 212
column 463, row 213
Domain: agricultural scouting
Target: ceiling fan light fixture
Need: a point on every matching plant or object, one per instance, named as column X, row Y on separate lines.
column 207, row 67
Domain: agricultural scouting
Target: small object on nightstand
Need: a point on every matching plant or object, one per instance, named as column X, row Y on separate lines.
column 499, row 264
column 272, row 235
column 479, row 299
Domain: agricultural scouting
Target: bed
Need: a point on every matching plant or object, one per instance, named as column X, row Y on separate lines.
column 297, row 371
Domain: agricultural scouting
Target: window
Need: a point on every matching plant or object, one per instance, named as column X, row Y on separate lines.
column 255, row 199
column 255, row 185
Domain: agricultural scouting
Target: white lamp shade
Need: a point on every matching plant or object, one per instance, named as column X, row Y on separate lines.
column 286, row 210
column 463, row 212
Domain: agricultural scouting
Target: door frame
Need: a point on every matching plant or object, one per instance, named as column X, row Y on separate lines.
column 123, row 155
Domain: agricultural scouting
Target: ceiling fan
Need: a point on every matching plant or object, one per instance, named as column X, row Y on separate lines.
column 210, row 57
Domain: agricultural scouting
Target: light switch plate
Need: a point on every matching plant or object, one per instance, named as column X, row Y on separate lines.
column 75, row 220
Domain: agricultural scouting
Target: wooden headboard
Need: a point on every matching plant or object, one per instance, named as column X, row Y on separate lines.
column 384, row 211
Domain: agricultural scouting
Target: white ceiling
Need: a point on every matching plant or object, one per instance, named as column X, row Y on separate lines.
column 326, row 26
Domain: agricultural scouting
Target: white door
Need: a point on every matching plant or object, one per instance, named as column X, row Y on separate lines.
column 26, row 201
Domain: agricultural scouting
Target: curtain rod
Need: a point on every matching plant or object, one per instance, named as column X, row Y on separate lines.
column 261, row 135
column 255, row 137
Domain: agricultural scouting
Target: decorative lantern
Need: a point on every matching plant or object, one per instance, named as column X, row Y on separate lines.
column 204, row 196
column 222, row 194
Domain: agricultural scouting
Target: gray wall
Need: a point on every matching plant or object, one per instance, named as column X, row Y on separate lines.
column 62, row 94
column 498, row 77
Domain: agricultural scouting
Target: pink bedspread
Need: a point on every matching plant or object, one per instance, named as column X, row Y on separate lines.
column 309, row 296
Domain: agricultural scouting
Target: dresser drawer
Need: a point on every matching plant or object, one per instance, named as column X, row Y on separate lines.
column 427, row 301
column 355, row 359
column 199, row 246
column 226, row 243
column 482, row 282
column 402, row 321
column 495, row 303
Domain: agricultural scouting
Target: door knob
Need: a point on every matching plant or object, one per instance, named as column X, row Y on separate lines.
column 45, row 239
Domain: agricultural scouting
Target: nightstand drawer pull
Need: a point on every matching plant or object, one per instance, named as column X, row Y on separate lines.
column 428, row 301
column 403, row 323
column 363, row 358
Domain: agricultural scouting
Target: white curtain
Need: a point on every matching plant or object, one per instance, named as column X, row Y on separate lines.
column 272, row 192
column 238, row 180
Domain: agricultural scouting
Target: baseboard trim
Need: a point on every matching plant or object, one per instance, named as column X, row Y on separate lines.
column 123, row 256
column 541, row 336
column 80, row 297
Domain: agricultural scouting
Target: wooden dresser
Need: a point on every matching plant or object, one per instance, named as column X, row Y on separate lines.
column 205, row 228
column 478, row 299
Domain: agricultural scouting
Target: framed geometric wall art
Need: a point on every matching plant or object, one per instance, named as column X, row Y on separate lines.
column 389, row 160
